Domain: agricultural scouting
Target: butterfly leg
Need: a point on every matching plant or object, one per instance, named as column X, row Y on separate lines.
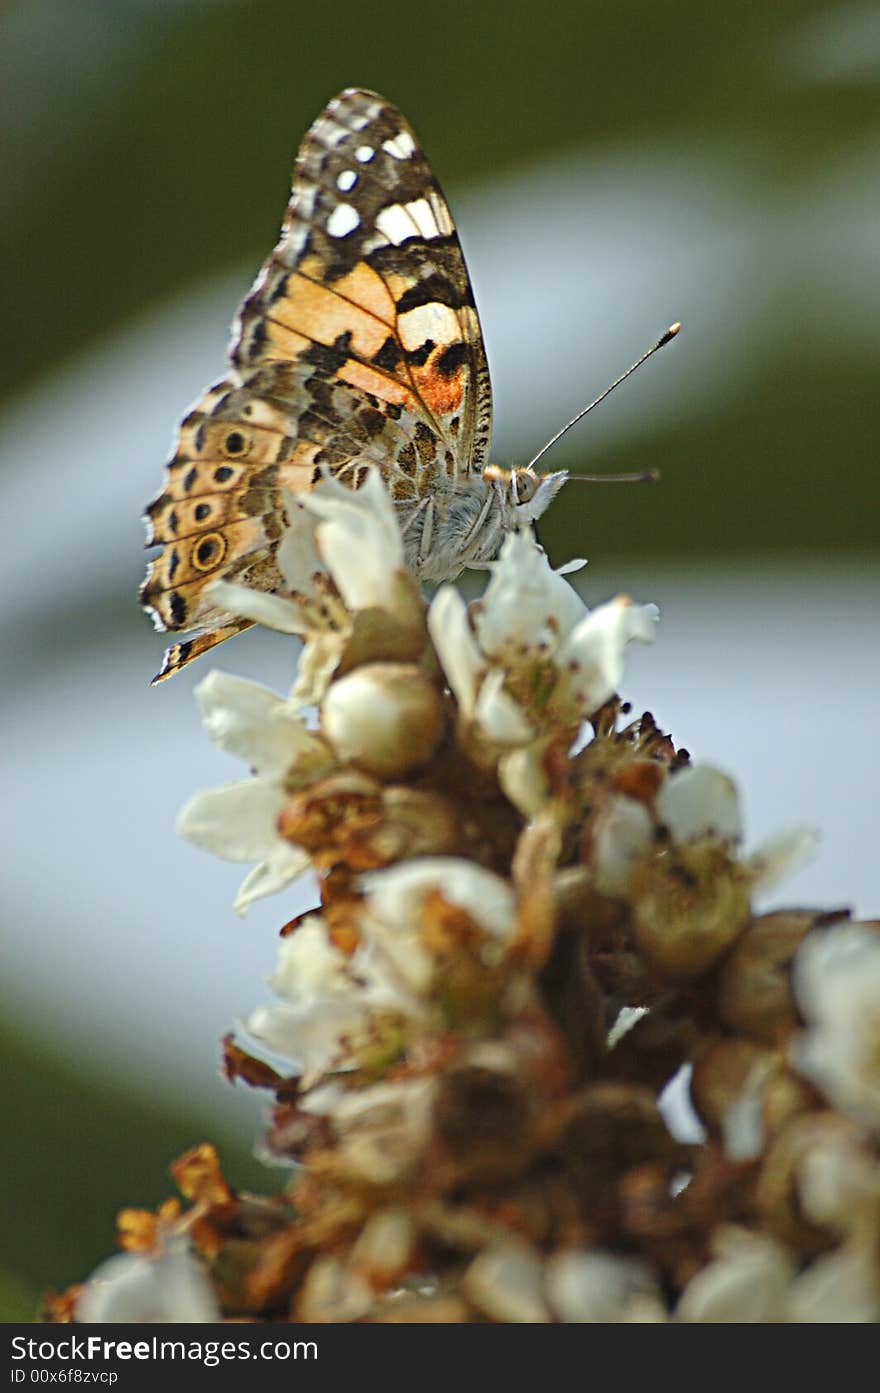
column 427, row 534
column 413, row 515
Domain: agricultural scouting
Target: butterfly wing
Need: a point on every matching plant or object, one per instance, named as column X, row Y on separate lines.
column 359, row 343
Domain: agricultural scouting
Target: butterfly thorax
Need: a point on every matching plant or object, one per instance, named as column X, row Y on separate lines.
column 465, row 522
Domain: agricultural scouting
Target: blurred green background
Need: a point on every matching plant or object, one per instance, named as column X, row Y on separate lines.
column 146, row 148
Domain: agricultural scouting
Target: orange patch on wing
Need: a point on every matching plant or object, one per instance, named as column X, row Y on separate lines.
column 368, row 380
column 441, row 392
column 365, row 287
column 323, row 316
column 282, row 344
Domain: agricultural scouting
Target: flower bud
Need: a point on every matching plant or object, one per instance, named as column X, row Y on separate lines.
column 727, row 1090
column 778, row 1197
column 505, row 1282
column 385, row 717
column 754, row 995
column 685, row 915
column 384, row 1247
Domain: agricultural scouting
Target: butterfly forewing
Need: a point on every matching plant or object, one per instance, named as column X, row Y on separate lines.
column 358, row 343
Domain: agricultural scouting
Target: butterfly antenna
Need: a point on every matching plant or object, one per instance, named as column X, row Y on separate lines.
column 650, row 475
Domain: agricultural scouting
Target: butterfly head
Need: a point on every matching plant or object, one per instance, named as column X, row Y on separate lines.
column 527, row 494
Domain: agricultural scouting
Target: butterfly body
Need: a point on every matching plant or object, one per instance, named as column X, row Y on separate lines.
column 359, row 344
column 465, row 521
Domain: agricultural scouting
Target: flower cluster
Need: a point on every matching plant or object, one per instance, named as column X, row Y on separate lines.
column 534, row 913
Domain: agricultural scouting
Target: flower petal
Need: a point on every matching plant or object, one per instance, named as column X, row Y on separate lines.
column 395, row 895
column 132, row 1288
column 522, row 777
column 748, row 1280
column 527, row 606
column 591, row 658
column 285, row 863
column 697, row 801
column 595, row 1286
column 298, row 559
column 238, row 821
column 622, row 837
column 781, row 856
column 837, row 984
column 359, row 539
column 273, row 611
column 457, row 649
column 498, row 714
column 254, row 723
column 840, row 1287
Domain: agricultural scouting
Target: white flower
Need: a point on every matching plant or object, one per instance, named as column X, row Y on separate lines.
column 506, row 1282
column 782, row 855
column 456, row 647
column 695, row 803
column 590, row 660
column 254, row 724
column 381, row 1130
column 530, row 649
column 240, row 820
column 839, row 1184
column 842, row 1287
column 134, row 1288
column 748, row 1280
column 742, row 1121
column 522, row 777
column 699, row 801
column 297, row 611
column 837, row 985
column 332, row 1294
column 340, row 552
column 358, row 538
column 396, row 900
column 499, row 714
column 527, row 607
column 349, row 535
column 324, row 998
column 626, row 1018
column 599, row 1287
column 622, row 837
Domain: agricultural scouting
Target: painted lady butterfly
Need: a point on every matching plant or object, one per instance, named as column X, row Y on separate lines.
column 359, row 343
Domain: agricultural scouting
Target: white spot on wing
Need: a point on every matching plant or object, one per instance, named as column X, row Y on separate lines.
column 432, row 321
column 364, row 153
column 343, row 220
column 422, row 215
column 396, row 224
column 441, row 214
column 401, row 146
column 346, row 180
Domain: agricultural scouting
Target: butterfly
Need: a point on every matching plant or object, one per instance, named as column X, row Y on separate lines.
column 359, row 344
